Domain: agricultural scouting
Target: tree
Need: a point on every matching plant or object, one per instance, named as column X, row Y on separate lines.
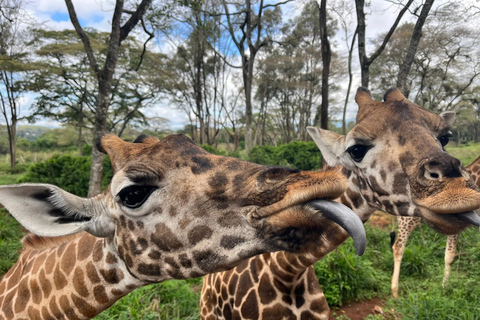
column 104, row 74
column 14, row 65
column 326, row 59
column 366, row 61
column 250, row 32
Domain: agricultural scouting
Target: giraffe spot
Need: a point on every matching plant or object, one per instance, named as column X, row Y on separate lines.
column 140, row 223
column 154, row 254
column 245, row 285
column 277, row 311
column 307, row 315
column 117, row 292
column 68, row 311
column 36, row 291
column 100, row 294
column 207, row 258
column 253, row 270
column 85, row 247
column 46, row 314
column 218, row 181
column 402, row 140
column 33, row 313
column 83, row 306
column 98, row 251
column 92, row 273
column 59, row 279
column 299, row 301
column 185, row 261
column 112, row 276
column 266, row 292
column 232, row 285
column 199, row 233
column 230, row 242
column 250, row 307
column 54, row 308
column 123, row 222
column 184, row 223
column 131, row 225
column 61, row 249
column 23, row 296
column 319, row 306
column 224, row 293
column 202, row 165
column 38, row 263
column 230, row 219
column 287, row 299
column 376, row 186
column 79, row 283
column 173, row 210
column 143, row 243
column 44, row 284
column 68, row 262
column 388, row 206
column 400, row 183
column 227, row 311
column 7, row 305
column 149, row 269
column 110, row 258
column 50, row 263
column 165, row 239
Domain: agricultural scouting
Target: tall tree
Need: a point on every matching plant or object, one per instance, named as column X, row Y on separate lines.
column 104, row 74
column 249, row 31
column 366, row 61
column 14, row 65
column 412, row 48
column 326, row 59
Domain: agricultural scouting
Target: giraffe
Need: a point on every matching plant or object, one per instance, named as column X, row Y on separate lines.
column 171, row 211
column 394, row 161
column 406, row 225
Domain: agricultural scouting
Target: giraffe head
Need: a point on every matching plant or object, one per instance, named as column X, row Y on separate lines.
column 173, row 210
column 395, row 153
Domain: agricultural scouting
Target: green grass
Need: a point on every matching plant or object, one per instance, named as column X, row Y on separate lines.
column 465, row 152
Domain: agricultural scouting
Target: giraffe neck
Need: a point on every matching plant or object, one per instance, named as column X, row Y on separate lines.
column 77, row 279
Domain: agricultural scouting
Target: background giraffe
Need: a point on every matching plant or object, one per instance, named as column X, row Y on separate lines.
column 394, row 161
column 172, row 211
column 406, row 225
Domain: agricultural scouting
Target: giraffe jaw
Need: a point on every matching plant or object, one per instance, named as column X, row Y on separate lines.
column 450, row 223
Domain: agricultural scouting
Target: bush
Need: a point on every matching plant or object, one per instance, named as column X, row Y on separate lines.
column 297, row 154
column 67, row 172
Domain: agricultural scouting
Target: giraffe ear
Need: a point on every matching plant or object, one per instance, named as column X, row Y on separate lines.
column 448, row 117
column 49, row 211
column 331, row 144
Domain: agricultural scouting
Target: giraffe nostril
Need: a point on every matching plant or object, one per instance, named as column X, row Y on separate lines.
column 434, row 175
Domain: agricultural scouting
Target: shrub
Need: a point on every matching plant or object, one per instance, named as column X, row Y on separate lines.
column 67, row 172
column 297, row 154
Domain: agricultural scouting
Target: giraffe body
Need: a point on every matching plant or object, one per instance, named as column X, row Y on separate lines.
column 394, row 161
column 172, row 211
column 406, row 225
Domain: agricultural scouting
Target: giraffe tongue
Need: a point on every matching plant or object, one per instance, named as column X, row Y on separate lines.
column 346, row 218
column 469, row 217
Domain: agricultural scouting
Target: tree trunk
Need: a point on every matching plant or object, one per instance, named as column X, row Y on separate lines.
column 412, row 49
column 350, row 80
column 326, row 59
column 12, row 133
column 247, row 81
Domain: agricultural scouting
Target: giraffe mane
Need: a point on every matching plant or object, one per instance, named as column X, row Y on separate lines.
column 35, row 242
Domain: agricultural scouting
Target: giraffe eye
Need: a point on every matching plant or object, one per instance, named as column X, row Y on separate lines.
column 358, row 151
column 134, row 196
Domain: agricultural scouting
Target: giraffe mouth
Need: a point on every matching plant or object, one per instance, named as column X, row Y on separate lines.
column 346, row 218
column 451, row 223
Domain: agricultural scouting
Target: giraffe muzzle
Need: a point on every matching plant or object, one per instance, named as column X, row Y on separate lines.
column 344, row 217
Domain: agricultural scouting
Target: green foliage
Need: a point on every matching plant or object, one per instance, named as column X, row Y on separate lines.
column 297, row 154
column 344, row 276
column 10, row 245
column 67, row 172
column 174, row 299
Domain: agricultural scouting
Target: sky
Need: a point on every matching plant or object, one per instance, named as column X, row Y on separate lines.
column 97, row 14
